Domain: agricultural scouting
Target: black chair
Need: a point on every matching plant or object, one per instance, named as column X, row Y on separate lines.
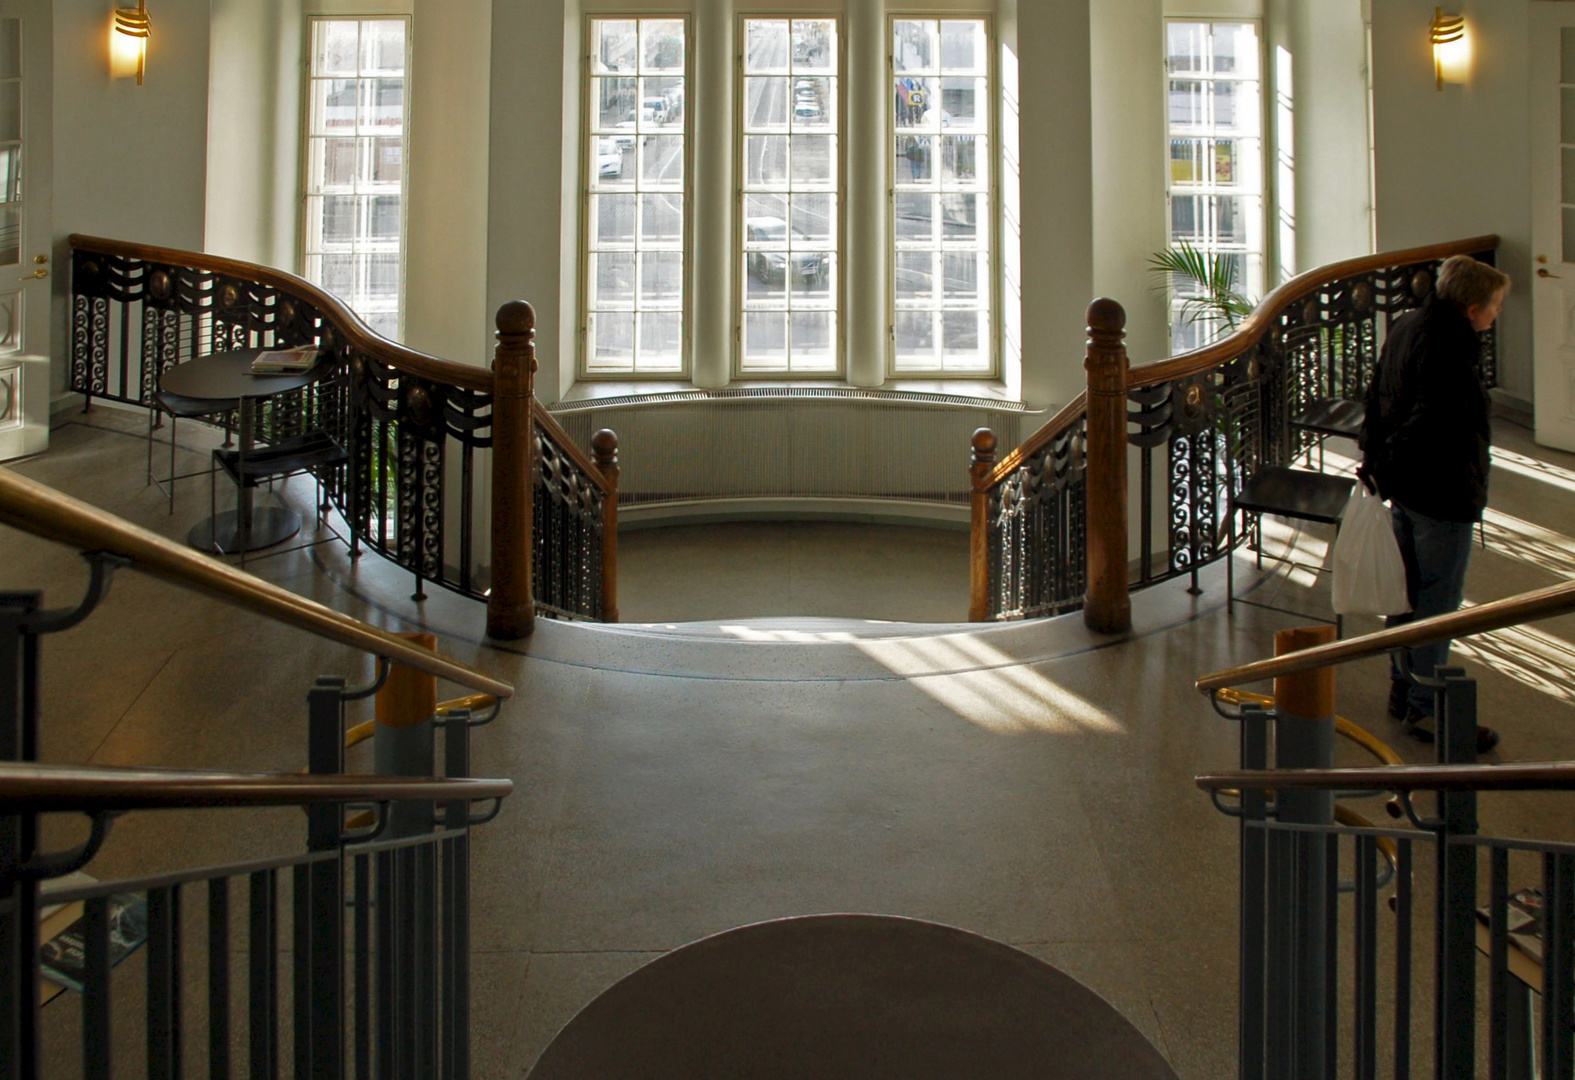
column 175, row 407
column 1290, row 493
column 313, row 452
column 1323, row 417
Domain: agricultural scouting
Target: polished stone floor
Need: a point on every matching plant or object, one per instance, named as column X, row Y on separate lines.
column 1030, row 782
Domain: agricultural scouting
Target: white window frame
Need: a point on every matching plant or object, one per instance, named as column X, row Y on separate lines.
column 588, row 162
column 837, row 192
column 1264, row 251
column 305, row 223
column 992, row 226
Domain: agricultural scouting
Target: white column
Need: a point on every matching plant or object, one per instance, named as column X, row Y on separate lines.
column 865, row 142
column 711, row 129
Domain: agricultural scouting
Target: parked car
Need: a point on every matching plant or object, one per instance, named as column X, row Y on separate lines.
column 771, row 266
column 609, row 159
column 654, row 110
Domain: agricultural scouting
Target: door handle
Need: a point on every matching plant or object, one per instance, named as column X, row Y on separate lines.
column 1544, row 273
column 35, row 275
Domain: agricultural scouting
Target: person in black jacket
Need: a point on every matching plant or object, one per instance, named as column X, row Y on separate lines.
column 1424, row 445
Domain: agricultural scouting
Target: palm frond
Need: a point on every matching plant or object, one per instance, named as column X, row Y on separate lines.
column 1184, row 268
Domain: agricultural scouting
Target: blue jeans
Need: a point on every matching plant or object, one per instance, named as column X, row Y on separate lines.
column 1435, row 553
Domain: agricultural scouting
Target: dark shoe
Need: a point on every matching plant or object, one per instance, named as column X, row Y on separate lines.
column 1419, row 725
column 1399, row 692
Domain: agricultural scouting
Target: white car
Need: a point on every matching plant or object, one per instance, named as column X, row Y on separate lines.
column 609, row 160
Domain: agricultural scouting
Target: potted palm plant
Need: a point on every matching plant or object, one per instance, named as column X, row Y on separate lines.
column 1207, row 285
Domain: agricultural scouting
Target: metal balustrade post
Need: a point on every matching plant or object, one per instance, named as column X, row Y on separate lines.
column 324, row 1009
column 455, row 955
column 1304, row 739
column 1456, row 896
column 18, row 842
column 1254, row 806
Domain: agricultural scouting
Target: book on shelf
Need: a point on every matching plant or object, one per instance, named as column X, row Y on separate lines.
column 284, row 361
column 62, row 954
column 1523, row 918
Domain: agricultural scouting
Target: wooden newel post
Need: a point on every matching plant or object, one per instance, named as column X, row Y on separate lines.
column 604, row 445
column 1106, row 606
column 984, row 444
column 511, row 609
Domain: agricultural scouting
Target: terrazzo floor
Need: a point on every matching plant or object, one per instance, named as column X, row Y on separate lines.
column 1031, row 782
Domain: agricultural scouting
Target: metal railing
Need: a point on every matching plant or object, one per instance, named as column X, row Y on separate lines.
column 378, row 931
column 442, row 470
column 1197, row 426
column 1407, row 998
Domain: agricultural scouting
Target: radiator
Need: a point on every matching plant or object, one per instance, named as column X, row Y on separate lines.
column 811, row 443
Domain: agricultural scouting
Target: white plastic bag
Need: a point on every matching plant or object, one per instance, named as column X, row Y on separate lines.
column 1369, row 575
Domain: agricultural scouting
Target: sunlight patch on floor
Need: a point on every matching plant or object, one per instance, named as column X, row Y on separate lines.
column 999, row 694
column 1520, row 539
column 1533, row 468
column 1527, row 655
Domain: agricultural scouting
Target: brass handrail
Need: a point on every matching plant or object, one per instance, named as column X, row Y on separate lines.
column 345, row 321
column 1511, row 611
column 86, row 789
column 1346, row 729
column 1517, row 776
column 43, row 511
column 1245, row 337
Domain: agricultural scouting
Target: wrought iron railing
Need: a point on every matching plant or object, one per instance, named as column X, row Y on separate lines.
column 1198, row 426
column 576, row 526
column 427, row 465
column 378, row 930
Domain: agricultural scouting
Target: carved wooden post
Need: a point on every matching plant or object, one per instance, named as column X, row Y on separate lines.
column 1106, row 607
column 511, row 609
column 604, row 444
column 979, row 527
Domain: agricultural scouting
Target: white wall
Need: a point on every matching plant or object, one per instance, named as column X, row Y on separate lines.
column 254, row 131
column 446, row 310
column 1328, row 43
column 1456, row 163
column 131, row 161
column 1051, row 38
column 532, row 203
column 1128, row 114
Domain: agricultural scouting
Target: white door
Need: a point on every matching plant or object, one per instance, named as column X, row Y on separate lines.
column 27, row 271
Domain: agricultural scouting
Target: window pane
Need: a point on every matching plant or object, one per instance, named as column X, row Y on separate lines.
column 636, row 149
column 1215, row 149
column 940, row 213
column 614, row 45
column 789, row 229
column 356, row 156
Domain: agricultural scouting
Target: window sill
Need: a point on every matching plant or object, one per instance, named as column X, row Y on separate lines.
column 988, row 391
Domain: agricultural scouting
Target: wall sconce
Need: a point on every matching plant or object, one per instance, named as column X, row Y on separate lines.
column 1451, row 48
column 128, row 42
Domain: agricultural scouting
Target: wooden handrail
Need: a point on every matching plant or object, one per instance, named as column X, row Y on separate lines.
column 346, row 322
column 1270, row 307
column 1251, row 330
column 1511, row 611
column 46, row 789
column 1030, row 446
column 1518, row 776
column 563, row 442
column 43, row 511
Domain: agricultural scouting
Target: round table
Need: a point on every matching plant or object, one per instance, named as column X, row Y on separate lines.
column 221, row 380
column 872, row 996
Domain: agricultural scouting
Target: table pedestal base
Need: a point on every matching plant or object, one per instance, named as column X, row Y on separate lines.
column 270, row 525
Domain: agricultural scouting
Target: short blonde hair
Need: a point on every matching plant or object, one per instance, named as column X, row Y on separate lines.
column 1470, row 283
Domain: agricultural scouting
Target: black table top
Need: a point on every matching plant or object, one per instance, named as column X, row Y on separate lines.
column 1296, row 493
column 225, row 378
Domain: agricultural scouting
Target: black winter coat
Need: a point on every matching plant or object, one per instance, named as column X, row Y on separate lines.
column 1426, row 434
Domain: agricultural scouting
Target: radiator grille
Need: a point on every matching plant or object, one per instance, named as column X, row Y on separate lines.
column 801, row 443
